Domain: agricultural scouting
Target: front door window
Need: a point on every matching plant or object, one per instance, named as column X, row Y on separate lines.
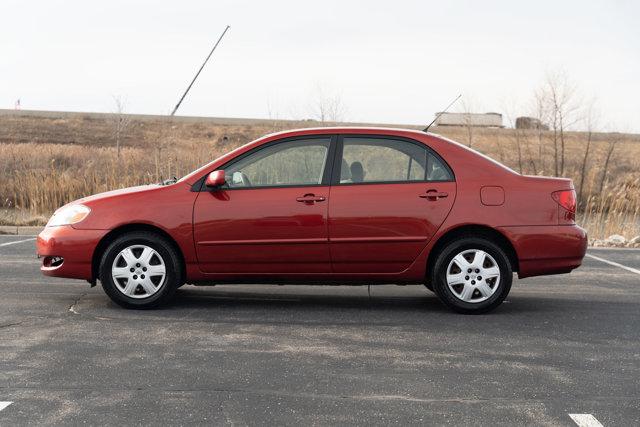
column 293, row 163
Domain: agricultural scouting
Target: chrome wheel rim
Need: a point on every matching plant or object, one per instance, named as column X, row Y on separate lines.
column 138, row 271
column 473, row 276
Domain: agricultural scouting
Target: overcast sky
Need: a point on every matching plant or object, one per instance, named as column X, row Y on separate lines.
column 388, row 61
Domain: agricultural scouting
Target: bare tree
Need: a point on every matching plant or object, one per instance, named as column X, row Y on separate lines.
column 614, row 139
column 327, row 108
column 541, row 114
column 517, row 133
column 559, row 95
column 591, row 119
column 120, row 121
column 276, row 123
column 467, row 106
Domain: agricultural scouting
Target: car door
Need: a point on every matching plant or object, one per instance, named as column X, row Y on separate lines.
column 270, row 218
column 389, row 196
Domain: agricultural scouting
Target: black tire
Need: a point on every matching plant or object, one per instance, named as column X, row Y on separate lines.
column 500, row 288
column 165, row 288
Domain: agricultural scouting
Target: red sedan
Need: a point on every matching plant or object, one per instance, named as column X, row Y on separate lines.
column 325, row 206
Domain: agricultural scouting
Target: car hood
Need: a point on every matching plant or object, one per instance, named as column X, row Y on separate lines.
column 120, row 192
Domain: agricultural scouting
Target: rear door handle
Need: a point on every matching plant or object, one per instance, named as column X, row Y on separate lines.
column 434, row 195
column 310, row 199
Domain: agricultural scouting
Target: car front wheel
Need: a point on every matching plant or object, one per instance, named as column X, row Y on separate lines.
column 140, row 270
column 472, row 275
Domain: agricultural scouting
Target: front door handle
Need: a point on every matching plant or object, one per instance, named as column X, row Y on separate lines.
column 433, row 195
column 310, row 199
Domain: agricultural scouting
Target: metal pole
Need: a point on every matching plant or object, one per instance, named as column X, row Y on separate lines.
column 198, row 73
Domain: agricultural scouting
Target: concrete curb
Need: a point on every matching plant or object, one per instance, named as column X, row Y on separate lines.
column 17, row 230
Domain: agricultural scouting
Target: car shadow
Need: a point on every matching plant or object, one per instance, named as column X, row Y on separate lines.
column 344, row 305
column 190, row 299
column 419, row 302
column 524, row 314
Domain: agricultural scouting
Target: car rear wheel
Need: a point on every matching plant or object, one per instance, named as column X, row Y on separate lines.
column 140, row 270
column 472, row 275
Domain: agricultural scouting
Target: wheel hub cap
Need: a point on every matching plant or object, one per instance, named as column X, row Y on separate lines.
column 138, row 271
column 473, row 276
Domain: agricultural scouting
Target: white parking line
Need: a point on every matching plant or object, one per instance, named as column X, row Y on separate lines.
column 585, row 420
column 17, row 241
column 4, row 405
column 615, row 264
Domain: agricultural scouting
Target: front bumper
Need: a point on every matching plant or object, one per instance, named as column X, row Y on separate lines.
column 542, row 250
column 67, row 252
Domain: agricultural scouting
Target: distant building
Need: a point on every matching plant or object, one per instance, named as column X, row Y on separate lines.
column 493, row 120
column 530, row 123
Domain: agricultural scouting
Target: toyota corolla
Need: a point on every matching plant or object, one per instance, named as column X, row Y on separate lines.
column 324, row 206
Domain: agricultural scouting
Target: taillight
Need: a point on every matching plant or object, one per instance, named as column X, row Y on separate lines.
column 567, row 200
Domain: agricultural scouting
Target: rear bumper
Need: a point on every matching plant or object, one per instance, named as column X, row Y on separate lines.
column 546, row 250
column 74, row 247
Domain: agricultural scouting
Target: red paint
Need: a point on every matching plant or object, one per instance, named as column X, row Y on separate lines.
column 215, row 179
column 76, row 247
column 382, row 228
column 355, row 232
column 492, row 195
column 261, row 231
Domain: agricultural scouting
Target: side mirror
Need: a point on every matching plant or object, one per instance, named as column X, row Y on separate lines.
column 215, row 179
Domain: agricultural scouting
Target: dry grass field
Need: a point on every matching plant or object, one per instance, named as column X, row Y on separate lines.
column 48, row 159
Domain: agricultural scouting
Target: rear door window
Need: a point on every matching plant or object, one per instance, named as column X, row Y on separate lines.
column 387, row 160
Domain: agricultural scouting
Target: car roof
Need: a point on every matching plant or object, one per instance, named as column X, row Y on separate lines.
column 346, row 130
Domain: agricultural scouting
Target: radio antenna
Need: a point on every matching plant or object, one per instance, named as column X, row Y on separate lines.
column 198, row 73
column 441, row 113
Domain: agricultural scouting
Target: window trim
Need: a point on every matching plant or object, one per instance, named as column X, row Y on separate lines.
column 335, row 176
column 326, row 173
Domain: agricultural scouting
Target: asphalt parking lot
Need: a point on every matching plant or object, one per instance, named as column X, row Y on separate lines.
column 290, row 355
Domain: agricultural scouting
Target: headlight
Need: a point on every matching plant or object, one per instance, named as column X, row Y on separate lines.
column 67, row 215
